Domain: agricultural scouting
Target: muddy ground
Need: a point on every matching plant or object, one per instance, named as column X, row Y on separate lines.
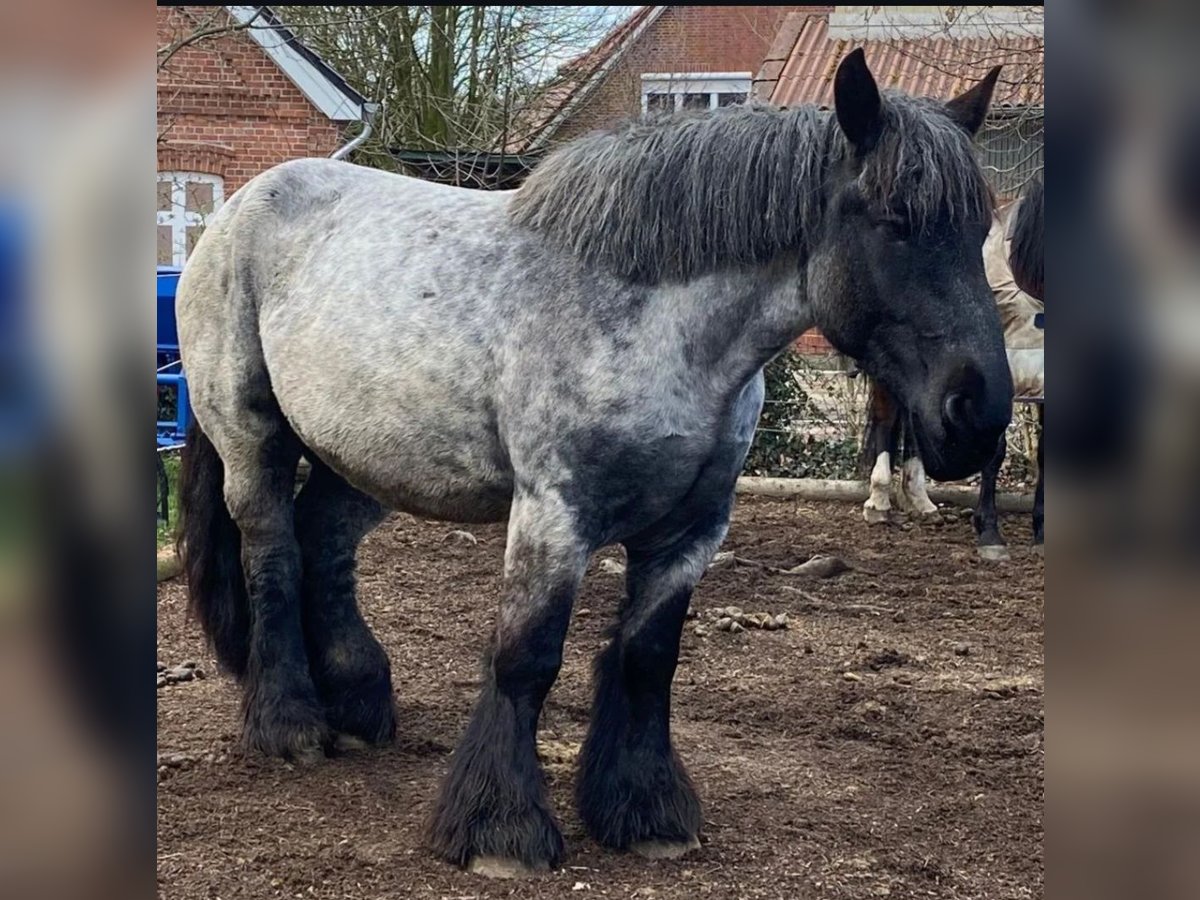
column 887, row 743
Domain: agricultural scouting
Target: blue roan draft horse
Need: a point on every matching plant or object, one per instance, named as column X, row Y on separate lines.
column 583, row 358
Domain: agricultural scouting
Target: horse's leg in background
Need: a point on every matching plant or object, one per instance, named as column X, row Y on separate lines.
column 633, row 791
column 914, row 495
column 349, row 667
column 985, row 519
column 1039, row 497
column 883, row 418
column 491, row 814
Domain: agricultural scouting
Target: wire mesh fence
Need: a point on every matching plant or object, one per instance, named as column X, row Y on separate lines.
column 815, row 415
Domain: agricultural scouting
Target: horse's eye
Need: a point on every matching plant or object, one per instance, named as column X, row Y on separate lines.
column 897, row 228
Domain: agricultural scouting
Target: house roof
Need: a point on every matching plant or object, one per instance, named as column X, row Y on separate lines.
column 325, row 89
column 577, row 79
column 801, row 64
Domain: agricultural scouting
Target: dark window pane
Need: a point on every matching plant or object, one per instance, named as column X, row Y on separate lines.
column 695, row 101
column 165, row 251
column 164, row 196
column 730, row 99
column 659, row 103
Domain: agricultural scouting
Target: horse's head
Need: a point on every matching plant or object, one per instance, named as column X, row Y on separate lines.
column 896, row 278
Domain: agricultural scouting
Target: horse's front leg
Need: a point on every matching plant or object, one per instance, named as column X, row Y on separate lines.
column 985, row 519
column 914, row 492
column 883, row 422
column 633, row 791
column 491, row 815
column 879, row 502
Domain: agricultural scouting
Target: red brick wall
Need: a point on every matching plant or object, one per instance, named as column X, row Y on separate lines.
column 812, row 343
column 225, row 108
column 682, row 39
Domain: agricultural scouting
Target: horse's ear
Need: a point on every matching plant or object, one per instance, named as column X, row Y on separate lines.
column 970, row 108
column 856, row 100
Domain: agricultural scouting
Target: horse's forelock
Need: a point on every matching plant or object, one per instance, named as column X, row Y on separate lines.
column 924, row 166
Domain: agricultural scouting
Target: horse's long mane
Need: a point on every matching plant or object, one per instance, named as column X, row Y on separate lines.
column 1026, row 255
column 677, row 196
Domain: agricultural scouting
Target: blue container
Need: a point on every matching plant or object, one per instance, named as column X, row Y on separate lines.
column 168, row 282
column 171, row 432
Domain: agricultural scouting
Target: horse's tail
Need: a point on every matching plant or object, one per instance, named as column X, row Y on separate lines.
column 210, row 548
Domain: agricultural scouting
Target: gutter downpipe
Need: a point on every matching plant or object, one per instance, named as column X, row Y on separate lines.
column 370, row 110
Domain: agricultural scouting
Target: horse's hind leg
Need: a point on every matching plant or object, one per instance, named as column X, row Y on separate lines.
column 283, row 716
column 349, row 667
column 985, row 519
column 491, row 814
column 633, row 791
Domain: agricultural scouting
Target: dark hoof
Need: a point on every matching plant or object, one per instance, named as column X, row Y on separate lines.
column 363, row 712
column 291, row 728
column 354, row 681
column 497, row 845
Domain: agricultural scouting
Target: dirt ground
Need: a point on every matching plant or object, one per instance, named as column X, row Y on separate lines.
column 888, row 743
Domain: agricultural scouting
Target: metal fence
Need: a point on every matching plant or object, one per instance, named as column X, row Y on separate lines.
column 1011, row 148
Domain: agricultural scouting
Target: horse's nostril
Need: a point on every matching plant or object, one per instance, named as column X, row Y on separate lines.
column 954, row 407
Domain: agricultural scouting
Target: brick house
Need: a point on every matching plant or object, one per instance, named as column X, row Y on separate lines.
column 231, row 105
column 661, row 57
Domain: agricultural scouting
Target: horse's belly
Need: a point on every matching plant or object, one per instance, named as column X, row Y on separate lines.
column 457, row 475
column 431, row 455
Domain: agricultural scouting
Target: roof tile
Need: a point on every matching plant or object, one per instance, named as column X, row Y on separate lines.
column 933, row 66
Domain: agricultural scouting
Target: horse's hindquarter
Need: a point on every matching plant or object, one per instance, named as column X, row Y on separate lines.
column 378, row 337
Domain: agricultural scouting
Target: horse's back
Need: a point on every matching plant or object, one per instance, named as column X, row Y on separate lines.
column 331, row 280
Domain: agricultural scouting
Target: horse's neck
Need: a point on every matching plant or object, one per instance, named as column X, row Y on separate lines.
column 734, row 322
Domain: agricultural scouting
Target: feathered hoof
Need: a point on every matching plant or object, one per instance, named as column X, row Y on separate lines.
column 363, row 713
column 293, row 729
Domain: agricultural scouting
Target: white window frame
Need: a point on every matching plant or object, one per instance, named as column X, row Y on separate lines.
column 679, row 83
column 179, row 217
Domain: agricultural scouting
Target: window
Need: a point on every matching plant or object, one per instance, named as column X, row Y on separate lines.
column 186, row 201
column 700, row 90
